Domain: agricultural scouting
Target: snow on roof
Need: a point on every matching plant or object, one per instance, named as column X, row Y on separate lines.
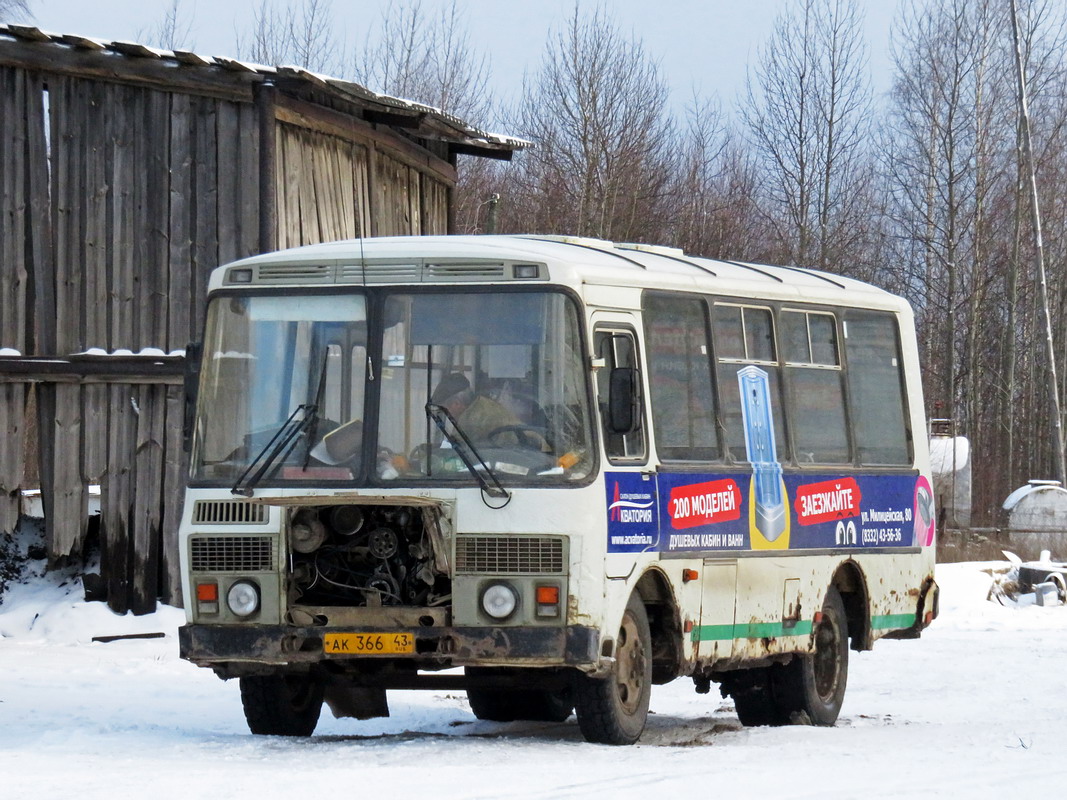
column 432, row 122
column 1032, row 487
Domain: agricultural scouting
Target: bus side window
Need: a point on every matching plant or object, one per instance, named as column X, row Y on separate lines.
column 682, row 401
column 742, row 336
column 814, row 389
column 876, row 388
column 619, row 349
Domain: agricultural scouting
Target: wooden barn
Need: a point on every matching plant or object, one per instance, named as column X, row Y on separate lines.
column 126, row 174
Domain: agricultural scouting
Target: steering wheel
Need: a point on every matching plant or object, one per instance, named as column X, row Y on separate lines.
column 529, row 437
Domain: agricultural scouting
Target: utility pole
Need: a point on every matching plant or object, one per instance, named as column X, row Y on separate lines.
column 1039, row 255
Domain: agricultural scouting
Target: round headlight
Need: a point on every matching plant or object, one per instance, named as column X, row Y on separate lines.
column 499, row 601
column 243, row 598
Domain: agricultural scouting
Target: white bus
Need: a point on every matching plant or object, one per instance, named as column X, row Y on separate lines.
column 573, row 468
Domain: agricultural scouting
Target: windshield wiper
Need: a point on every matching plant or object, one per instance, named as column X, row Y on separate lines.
column 461, row 443
column 280, row 443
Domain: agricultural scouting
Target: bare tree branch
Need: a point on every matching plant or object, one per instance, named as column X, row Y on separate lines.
column 14, row 10
column 173, row 31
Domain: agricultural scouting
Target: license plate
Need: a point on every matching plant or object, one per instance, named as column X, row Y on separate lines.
column 368, row 644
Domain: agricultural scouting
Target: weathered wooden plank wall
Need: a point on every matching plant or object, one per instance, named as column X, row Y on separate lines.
column 109, row 228
column 152, row 190
column 23, row 248
column 340, row 184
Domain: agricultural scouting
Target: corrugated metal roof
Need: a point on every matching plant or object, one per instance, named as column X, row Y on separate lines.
column 427, row 122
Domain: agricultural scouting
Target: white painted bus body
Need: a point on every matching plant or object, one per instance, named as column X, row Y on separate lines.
column 718, row 603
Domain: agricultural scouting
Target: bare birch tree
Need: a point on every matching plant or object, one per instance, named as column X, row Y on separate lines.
column 806, row 113
column 959, row 210
column 428, row 58
column 173, row 31
column 300, row 34
column 701, row 168
column 597, row 112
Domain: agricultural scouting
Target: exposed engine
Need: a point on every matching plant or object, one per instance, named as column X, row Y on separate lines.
column 365, row 556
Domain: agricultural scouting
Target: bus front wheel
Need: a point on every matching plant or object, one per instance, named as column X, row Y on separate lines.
column 281, row 705
column 613, row 709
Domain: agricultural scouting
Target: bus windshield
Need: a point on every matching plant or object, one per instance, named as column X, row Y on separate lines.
column 286, row 381
column 269, row 360
column 500, row 371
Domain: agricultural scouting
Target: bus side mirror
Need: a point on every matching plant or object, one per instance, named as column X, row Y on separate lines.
column 191, row 382
column 624, row 398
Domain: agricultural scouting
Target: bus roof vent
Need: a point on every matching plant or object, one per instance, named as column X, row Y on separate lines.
column 465, row 272
column 378, row 273
column 294, row 273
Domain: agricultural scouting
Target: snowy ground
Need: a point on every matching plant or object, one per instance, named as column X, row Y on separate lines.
column 976, row 708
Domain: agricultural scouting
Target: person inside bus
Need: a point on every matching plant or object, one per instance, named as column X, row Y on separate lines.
column 479, row 415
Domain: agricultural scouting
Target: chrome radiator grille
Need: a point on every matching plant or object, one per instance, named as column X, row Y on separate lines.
column 233, row 512
column 232, row 553
column 535, row 555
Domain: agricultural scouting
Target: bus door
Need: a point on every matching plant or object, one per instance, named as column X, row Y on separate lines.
column 718, row 583
column 632, row 506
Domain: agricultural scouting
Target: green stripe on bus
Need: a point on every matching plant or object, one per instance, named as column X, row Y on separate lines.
column 753, row 630
column 772, row 630
column 882, row 621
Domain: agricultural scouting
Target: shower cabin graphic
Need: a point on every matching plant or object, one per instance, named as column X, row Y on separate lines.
column 768, row 517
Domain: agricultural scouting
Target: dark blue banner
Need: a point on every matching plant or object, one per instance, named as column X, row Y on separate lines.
column 765, row 510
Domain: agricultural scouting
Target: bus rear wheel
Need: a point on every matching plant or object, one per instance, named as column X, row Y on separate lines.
column 809, row 689
column 281, row 705
column 813, row 685
column 613, row 709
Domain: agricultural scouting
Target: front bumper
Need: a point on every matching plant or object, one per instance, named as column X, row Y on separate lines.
column 212, row 645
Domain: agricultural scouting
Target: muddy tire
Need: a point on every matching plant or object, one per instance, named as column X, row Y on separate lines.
column 613, row 709
column 281, row 705
column 811, row 688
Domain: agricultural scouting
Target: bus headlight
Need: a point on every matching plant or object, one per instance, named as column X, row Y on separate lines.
column 499, row 600
column 243, row 598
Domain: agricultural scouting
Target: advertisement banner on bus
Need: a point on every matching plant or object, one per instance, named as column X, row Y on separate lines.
column 683, row 512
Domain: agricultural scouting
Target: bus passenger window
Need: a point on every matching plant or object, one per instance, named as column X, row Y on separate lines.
column 619, row 349
column 682, row 396
column 876, row 389
column 744, row 335
column 815, row 395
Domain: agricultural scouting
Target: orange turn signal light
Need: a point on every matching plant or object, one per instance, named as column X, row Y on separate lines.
column 547, row 595
column 207, row 592
column 689, row 575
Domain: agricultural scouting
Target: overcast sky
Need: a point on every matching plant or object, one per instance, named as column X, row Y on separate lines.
column 702, row 45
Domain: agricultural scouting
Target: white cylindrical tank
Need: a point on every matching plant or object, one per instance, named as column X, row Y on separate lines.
column 950, row 465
